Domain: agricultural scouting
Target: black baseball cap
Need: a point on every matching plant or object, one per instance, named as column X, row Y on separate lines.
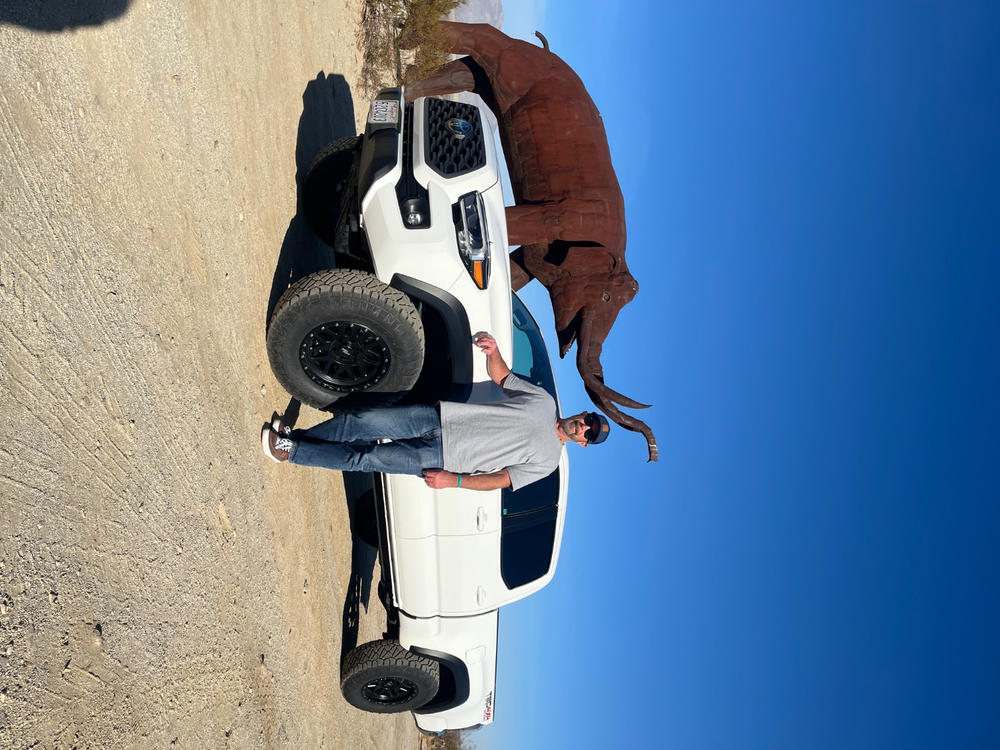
column 597, row 428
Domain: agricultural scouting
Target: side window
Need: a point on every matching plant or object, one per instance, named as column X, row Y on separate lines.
column 526, row 543
column 528, row 530
column 538, row 494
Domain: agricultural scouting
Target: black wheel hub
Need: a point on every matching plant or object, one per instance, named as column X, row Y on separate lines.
column 389, row 690
column 344, row 357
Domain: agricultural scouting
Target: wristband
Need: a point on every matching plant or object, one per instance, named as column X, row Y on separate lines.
column 459, row 481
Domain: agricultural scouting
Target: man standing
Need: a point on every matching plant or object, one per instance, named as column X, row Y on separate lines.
column 508, row 443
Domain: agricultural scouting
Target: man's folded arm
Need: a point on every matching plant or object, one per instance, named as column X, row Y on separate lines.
column 441, row 479
column 495, row 481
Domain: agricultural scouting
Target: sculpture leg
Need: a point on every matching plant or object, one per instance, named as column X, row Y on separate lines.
column 480, row 40
column 486, row 44
column 449, row 79
column 519, row 274
column 529, row 223
column 569, row 219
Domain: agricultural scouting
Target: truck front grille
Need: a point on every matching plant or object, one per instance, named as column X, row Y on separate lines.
column 451, row 152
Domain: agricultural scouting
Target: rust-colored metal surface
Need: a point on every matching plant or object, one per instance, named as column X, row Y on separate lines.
column 569, row 216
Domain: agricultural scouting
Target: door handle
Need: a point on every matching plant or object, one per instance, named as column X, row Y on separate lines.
column 481, row 518
column 480, row 596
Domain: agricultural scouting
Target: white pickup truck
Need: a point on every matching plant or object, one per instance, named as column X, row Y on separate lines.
column 414, row 212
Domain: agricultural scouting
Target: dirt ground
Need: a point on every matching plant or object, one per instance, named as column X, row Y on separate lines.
column 162, row 584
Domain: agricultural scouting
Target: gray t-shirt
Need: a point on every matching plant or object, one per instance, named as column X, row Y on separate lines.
column 517, row 434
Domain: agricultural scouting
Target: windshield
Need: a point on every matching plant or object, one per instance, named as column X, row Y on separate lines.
column 531, row 361
column 528, row 528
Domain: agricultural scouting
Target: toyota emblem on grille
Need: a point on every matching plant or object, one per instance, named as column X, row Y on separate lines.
column 459, row 128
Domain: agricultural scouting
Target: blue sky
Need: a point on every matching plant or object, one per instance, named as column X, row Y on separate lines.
column 813, row 221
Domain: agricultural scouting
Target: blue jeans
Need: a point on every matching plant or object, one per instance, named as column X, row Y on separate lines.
column 348, row 441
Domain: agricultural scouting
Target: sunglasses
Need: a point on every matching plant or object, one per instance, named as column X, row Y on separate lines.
column 593, row 426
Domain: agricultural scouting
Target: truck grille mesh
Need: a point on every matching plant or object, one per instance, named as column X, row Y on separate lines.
column 446, row 154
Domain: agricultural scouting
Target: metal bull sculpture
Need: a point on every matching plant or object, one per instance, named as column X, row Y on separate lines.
column 569, row 216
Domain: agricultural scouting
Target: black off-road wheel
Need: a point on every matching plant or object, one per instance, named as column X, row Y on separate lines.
column 385, row 678
column 323, row 187
column 340, row 332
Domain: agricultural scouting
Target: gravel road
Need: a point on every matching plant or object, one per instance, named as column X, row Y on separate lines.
column 163, row 585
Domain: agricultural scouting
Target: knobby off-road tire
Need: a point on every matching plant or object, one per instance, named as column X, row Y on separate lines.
column 341, row 331
column 323, row 187
column 383, row 677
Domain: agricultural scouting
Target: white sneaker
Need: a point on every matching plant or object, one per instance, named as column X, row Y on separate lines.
column 275, row 446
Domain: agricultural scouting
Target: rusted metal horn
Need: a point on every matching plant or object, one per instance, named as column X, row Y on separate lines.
column 618, row 417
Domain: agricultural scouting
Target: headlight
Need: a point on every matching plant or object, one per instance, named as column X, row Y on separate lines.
column 473, row 239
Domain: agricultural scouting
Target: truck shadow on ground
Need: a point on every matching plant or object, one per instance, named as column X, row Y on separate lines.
column 57, row 15
column 358, row 489
column 327, row 114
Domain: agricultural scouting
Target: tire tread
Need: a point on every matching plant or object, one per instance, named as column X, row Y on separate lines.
column 388, row 653
column 355, row 289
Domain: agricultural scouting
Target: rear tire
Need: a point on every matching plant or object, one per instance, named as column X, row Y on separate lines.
column 383, row 677
column 341, row 331
column 323, row 187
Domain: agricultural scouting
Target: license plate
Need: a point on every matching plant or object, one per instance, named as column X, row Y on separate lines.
column 384, row 110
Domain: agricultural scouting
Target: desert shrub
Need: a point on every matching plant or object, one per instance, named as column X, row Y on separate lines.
column 384, row 24
column 457, row 740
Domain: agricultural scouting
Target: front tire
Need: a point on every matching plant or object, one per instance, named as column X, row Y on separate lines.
column 341, row 331
column 383, row 677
